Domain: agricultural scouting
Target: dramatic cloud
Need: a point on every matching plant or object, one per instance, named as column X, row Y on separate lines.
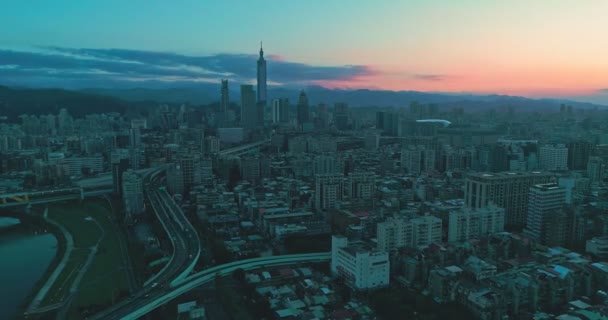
column 116, row 67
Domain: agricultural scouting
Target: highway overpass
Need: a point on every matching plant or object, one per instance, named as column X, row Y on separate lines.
column 141, row 306
column 244, row 149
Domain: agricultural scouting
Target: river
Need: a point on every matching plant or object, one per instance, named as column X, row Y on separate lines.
column 24, row 258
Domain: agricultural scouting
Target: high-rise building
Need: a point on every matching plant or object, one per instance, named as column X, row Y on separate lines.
column 175, row 179
column 468, row 223
column 276, row 111
column 400, row 232
column 578, row 154
column 225, row 98
column 508, row 190
column 132, row 193
column 361, row 267
column 324, row 164
column 341, row 115
column 224, row 105
column 416, row 159
column 284, row 110
column 595, row 169
column 261, row 78
column 280, row 110
column 249, row 112
column 120, row 164
column 329, row 190
column 553, row 157
column 303, row 112
column 361, row 185
column 544, row 201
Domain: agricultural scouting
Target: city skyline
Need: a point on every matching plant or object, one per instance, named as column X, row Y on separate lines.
column 541, row 49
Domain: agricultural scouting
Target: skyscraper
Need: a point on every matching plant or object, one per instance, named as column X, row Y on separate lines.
column 224, row 119
column 341, row 115
column 280, row 110
column 578, row 154
column 261, row 77
column 276, row 111
column 544, row 201
column 303, row 112
column 248, row 107
column 284, row 110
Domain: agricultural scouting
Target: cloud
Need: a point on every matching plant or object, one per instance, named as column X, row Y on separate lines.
column 429, row 77
column 116, row 67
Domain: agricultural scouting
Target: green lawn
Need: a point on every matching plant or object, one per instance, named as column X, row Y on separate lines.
column 106, row 278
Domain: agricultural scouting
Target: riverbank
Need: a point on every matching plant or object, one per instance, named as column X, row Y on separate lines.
column 36, row 222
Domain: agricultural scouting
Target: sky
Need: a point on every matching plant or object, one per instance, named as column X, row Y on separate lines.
column 541, row 48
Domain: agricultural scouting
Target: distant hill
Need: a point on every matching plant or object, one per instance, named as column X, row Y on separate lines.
column 18, row 101
column 209, row 93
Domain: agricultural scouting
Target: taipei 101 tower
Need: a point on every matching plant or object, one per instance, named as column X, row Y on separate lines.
column 261, row 87
column 261, row 77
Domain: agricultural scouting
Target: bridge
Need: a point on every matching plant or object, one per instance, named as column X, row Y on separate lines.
column 134, row 309
column 46, row 196
column 84, row 188
column 244, row 149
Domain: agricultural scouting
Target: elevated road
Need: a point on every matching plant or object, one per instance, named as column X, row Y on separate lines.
column 185, row 244
column 246, row 148
column 143, row 305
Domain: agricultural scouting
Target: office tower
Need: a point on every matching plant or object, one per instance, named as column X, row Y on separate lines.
column 341, row 115
column 401, row 232
column 132, row 193
column 508, row 190
column 467, row 223
column 303, row 113
column 261, row 78
column 322, row 119
column 361, row 185
column 223, row 119
column 284, row 110
column 329, row 190
column 276, row 111
column 225, row 98
column 578, row 154
column 544, row 201
column 361, row 267
column 595, row 169
column 248, row 107
column 280, row 110
column 553, row 157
